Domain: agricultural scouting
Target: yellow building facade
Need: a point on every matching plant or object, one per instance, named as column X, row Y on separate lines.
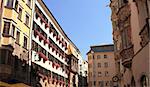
column 15, row 39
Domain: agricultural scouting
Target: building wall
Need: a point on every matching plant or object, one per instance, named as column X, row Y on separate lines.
column 137, row 68
column 99, row 73
column 16, row 53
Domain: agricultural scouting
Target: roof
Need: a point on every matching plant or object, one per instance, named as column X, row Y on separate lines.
column 102, row 48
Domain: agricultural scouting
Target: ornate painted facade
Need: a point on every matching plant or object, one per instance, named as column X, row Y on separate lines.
column 130, row 20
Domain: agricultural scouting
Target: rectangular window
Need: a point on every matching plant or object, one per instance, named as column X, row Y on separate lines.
column 106, row 64
column 29, row 3
column 5, row 57
column 10, row 3
column 16, row 5
column 25, row 42
column 126, row 38
column 6, row 28
column 99, row 64
column 94, row 83
column 99, row 74
column 13, row 30
column 98, row 56
column 105, row 56
column 106, row 73
column 27, row 20
column 107, row 83
column 17, row 37
column 20, row 13
column 101, row 83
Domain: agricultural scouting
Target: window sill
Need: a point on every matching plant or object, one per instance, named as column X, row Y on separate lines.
column 19, row 19
column 8, row 7
column 16, row 10
column 25, row 48
column 17, row 43
column 29, row 7
column 7, row 35
column 27, row 25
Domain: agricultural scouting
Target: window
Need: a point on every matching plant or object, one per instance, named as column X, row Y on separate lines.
column 107, row 83
column 106, row 73
column 93, row 57
column 29, row 3
column 20, row 13
column 106, row 64
column 101, row 83
column 6, row 28
column 5, row 57
column 94, row 83
column 25, row 43
column 34, row 46
column 16, row 5
column 13, row 30
column 17, row 37
column 126, row 38
column 105, row 56
column 98, row 56
column 27, row 20
column 10, row 3
column 99, row 64
column 99, row 74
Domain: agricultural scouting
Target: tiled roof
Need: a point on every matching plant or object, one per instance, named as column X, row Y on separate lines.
column 102, row 48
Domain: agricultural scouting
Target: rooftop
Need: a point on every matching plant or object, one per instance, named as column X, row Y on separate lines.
column 102, row 48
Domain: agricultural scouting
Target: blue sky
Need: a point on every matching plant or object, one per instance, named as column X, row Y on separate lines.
column 86, row 22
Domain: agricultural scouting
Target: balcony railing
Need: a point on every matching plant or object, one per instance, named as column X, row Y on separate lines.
column 42, row 19
column 42, row 56
column 127, row 55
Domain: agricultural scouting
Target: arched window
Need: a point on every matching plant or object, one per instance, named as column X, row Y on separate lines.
column 144, row 81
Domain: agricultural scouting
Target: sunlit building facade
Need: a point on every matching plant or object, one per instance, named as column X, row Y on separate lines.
column 82, row 73
column 16, row 16
column 54, row 56
column 101, row 66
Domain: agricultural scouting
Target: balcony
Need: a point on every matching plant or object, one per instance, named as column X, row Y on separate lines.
column 42, row 20
column 127, row 55
column 8, row 40
column 144, row 35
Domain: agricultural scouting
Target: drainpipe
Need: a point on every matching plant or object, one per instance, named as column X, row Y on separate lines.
column 30, row 41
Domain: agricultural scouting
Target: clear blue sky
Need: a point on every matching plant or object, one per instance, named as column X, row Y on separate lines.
column 86, row 22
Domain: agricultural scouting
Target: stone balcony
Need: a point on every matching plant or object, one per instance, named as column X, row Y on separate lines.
column 145, row 34
column 127, row 55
